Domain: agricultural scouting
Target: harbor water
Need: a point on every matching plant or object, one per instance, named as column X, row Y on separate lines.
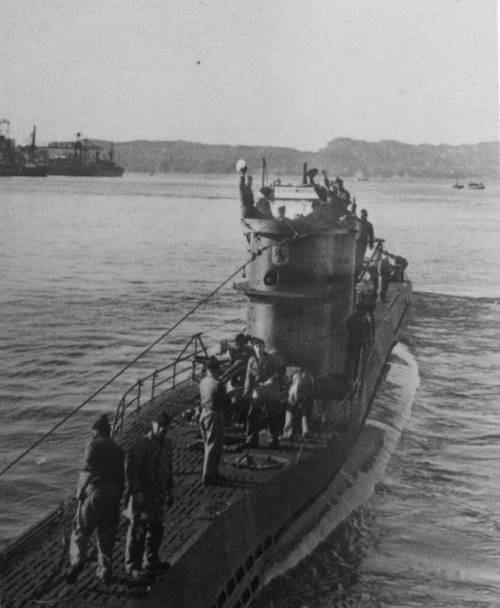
column 92, row 271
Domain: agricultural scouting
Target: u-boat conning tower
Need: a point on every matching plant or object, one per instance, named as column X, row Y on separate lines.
column 301, row 283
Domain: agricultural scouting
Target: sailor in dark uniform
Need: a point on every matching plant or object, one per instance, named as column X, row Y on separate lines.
column 262, row 386
column 239, row 355
column 400, row 265
column 248, row 209
column 386, row 270
column 263, row 205
column 366, row 239
column 342, row 193
column 99, row 490
column 150, row 481
column 359, row 327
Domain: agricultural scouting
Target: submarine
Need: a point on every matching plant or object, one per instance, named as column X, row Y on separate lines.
column 307, row 276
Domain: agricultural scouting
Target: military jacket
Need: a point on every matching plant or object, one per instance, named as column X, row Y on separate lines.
column 148, row 465
column 102, row 465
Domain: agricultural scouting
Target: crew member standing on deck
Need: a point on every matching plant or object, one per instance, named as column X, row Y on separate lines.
column 263, row 388
column 213, row 399
column 386, row 270
column 150, row 480
column 248, row 209
column 366, row 239
column 359, row 327
column 239, row 354
column 300, row 403
column 100, row 486
column 263, row 205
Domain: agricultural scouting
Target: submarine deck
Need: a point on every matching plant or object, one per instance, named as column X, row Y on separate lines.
column 33, row 568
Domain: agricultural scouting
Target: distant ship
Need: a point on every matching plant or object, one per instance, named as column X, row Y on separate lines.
column 19, row 161
column 81, row 158
column 457, row 185
column 476, row 186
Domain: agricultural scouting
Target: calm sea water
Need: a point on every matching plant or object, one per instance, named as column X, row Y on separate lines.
column 93, row 270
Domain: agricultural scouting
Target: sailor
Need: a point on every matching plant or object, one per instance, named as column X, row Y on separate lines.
column 281, row 213
column 337, row 208
column 316, row 215
column 386, row 271
column 321, row 191
column 149, row 475
column 262, row 387
column 239, row 355
column 248, row 209
column 99, row 490
column 263, row 205
column 327, row 183
column 311, row 174
column 299, row 403
column 342, row 193
column 359, row 334
column 213, row 398
column 400, row 265
column 367, row 235
column 366, row 290
column 365, row 239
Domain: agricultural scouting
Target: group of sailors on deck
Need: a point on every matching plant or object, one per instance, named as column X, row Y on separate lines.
column 262, row 391
column 145, row 473
column 333, row 202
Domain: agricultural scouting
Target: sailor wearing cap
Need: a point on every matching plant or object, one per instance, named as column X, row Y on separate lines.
column 100, row 486
column 262, row 387
column 263, row 205
column 149, row 475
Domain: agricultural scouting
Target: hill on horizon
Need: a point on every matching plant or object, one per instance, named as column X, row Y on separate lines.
column 341, row 156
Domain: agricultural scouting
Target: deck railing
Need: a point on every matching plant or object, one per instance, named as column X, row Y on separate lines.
column 184, row 367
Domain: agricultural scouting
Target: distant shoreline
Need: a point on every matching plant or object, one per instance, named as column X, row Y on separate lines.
column 347, row 157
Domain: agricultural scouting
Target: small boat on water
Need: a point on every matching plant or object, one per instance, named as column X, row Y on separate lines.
column 457, row 185
column 313, row 296
column 476, row 186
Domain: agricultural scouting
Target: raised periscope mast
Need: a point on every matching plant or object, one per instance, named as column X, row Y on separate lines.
column 300, row 286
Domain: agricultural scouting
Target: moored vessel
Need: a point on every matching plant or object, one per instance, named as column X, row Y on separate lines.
column 20, row 161
column 81, row 158
column 303, row 281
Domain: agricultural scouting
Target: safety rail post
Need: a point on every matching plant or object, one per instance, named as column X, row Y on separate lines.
column 139, row 387
column 200, row 342
column 197, row 346
column 119, row 414
column 153, row 384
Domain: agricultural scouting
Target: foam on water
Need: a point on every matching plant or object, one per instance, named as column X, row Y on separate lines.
column 390, row 411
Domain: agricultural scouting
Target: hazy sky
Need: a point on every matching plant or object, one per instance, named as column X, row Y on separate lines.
column 279, row 72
